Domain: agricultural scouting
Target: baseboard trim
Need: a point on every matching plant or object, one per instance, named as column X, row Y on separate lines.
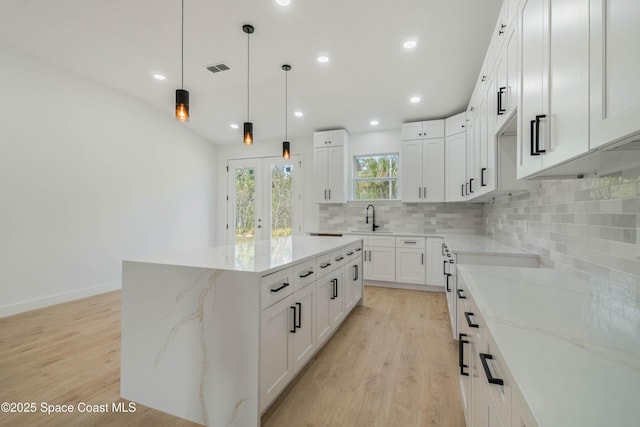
column 395, row 285
column 34, row 304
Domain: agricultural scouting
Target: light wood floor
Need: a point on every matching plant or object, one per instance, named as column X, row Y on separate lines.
column 391, row 363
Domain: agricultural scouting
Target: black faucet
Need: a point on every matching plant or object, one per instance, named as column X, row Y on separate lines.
column 373, row 218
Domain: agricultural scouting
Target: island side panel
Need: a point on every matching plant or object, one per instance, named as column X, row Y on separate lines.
column 190, row 342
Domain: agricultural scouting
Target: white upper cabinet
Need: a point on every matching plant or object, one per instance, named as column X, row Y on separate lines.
column 455, row 124
column 330, row 167
column 456, row 167
column 329, row 138
column 422, row 130
column 506, row 77
column 614, row 71
column 422, row 168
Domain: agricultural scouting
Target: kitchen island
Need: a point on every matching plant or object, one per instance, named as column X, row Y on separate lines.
column 214, row 335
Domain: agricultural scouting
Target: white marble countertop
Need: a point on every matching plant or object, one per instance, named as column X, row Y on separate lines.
column 572, row 344
column 262, row 256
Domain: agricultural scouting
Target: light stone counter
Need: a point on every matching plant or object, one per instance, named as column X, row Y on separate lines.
column 572, row 344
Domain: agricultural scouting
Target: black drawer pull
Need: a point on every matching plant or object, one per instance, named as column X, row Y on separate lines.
column 410, row 242
column 355, row 267
column 339, row 258
column 448, row 288
column 468, row 315
column 482, row 183
column 531, row 138
column 307, row 274
column 358, row 249
column 284, row 285
column 487, row 371
column 443, row 249
column 349, row 253
column 325, row 265
column 538, row 150
column 461, row 344
column 460, row 294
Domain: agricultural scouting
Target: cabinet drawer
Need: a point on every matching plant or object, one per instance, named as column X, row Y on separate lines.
column 304, row 273
column 500, row 394
column 331, row 261
column 275, row 287
column 409, row 242
column 384, row 241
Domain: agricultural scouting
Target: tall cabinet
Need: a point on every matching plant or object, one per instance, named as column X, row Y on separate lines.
column 330, row 162
column 456, row 158
column 422, row 171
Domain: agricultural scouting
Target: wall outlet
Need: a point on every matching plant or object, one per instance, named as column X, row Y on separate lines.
column 433, row 221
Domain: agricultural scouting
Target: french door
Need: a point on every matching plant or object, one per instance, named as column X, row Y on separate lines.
column 264, row 198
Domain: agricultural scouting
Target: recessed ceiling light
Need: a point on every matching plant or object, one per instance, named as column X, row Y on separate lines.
column 283, row 2
column 234, row 126
column 414, row 99
column 410, row 44
column 298, row 113
column 374, row 123
column 159, row 76
column 323, row 58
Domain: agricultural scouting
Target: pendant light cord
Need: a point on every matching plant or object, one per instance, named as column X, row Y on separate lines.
column 286, row 105
column 182, row 49
column 248, row 36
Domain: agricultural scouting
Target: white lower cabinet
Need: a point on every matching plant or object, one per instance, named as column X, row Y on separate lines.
column 329, row 305
column 380, row 263
column 352, row 284
column 304, row 339
column 435, row 257
column 276, row 345
column 410, row 260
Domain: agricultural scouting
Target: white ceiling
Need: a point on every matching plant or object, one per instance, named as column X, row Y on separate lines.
column 121, row 43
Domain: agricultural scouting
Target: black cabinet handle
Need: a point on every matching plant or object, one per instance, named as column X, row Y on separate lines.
column 466, row 187
column 307, row 274
column 325, row 265
column 482, row 183
column 299, row 323
column 485, row 365
column 336, row 288
column 467, row 316
column 293, row 331
column 501, row 30
column 329, row 194
column 538, row 150
column 531, row 137
column 284, row 285
column 334, row 291
column 349, row 253
column 471, row 185
column 422, row 258
column 355, row 271
column 339, row 258
column 444, row 268
column 501, row 110
column 460, row 294
column 448, row 288
column 358, row 249
column 442, row 249
column 461, row 344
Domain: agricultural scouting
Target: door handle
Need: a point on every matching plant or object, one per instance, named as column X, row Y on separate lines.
column 538, row 150
column 470, row 323
column 293, row 331
column 484, row 358
column 461, row 344
column 532, row 124
column 471, row 185
column 299, row 324
column 460, row 294
column 500, row 93
column 482, row 183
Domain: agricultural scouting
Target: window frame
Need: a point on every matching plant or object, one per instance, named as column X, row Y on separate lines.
column 390, row 179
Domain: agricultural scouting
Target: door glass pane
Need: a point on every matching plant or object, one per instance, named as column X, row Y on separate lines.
column 281, row 200
column 245, row 204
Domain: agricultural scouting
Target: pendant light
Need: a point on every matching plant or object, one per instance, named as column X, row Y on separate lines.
column 286, row 145
column 182, row 96
column 248, row 126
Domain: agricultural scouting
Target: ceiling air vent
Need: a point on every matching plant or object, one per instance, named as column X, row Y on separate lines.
column 216, row 68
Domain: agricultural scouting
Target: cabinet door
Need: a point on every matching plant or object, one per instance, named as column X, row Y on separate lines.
column 336, row 175
column 487, row 167
column 336, row 301
column 411, row 171
column 320, row 139
column 479, row 392
column 532, row 28
column 615, row 86
column 501, row 87
column 304, row 338
column 565, row 130
column 510, row 100
column 435, row 259
column 410, row 266
column 411, row 131
column 464, row 370
column 353, row 284
column 321, row 172
column 456, row 166
column 433, row 129
column 455, row 124
column 276, row 361
column 433, row 170
column 380, row 264
column 324, row 293
column 473, row 150
column 337, row 137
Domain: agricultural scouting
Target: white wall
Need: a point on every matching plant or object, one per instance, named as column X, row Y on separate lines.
column 299, row 145
column 89, row 177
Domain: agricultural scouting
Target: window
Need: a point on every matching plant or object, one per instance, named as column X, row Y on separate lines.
column 375, row 177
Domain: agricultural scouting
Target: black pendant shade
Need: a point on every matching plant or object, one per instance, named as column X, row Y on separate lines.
column 286, row 150
column 248, row 133
column 182, row 105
